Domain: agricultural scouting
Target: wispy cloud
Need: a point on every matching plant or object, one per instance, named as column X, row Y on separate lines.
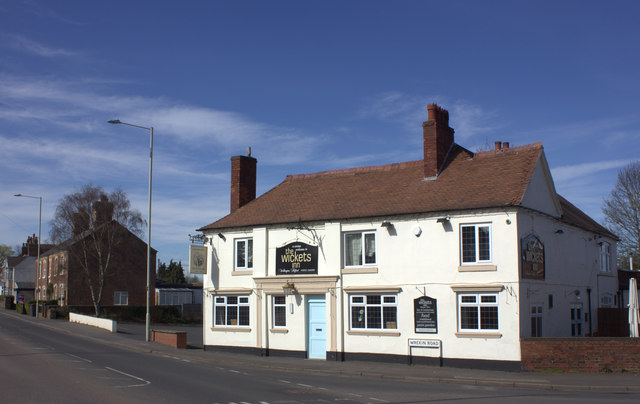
column 468, row 120
column 609, row 133
column 572, row 172
column 23, row 44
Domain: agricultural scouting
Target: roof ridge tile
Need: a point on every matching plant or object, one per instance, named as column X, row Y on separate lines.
column 510, row 150
column 355, row 170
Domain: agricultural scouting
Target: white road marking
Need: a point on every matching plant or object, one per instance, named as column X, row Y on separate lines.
column 144, row 382
column 78, row 357
column 377, row 399
column 304, row 385
column 285, row 381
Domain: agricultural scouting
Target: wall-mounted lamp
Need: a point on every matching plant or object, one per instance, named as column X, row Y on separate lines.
column 576, row 293
column 559, row 231
column 443, row 220
column 508, row 221
column 288, row 288
column 222, row 237
column 387, row 224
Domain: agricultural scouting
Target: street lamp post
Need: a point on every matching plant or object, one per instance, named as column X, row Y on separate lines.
column 117, row 122
column 39, row 241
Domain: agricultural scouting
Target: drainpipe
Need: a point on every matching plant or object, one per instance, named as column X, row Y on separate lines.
column 341, row 318
column 590, row 318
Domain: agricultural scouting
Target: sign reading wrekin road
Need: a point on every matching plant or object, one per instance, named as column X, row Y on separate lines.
column 297, row 259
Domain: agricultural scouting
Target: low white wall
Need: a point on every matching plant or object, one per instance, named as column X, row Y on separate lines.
column 105, row 323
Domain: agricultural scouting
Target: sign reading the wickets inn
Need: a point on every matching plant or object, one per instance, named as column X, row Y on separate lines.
column 297, row 259
column 532, row 257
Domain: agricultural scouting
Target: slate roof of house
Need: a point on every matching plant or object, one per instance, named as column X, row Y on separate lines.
column 491, row 179
column 13, row 261
column 65, row 245
column 26, row 270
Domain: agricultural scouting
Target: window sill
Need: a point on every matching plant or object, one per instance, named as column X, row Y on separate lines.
column 477, row 268
column 493, row 335
column 279, row 330
column 233, row 329
column 360, row 270
column 375, row 333
column 242, row 272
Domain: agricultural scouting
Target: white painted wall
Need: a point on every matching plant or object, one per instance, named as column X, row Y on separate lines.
column 105, row 323
column 428, row 263
column 572, row 262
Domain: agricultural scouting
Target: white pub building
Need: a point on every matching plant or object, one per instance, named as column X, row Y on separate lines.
column 451, row 258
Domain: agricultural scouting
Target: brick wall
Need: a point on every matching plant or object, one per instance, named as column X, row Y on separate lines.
column 581, row 354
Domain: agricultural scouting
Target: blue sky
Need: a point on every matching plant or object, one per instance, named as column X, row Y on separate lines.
column 309, row 85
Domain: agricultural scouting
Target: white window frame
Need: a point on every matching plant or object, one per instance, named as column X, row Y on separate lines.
column 386, row 301
column 363, row 254
column 248, row 245
column 55, row 266
column 535, row 313
column 478, row 304
column 477, row 227
column 121, row 298
column 279, row 306
column 605, row 257
column 576, row 313
column 222, row 301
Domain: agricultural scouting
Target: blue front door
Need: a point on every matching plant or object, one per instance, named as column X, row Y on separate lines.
column 316, row 327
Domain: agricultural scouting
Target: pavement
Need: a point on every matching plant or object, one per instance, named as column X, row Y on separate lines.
column 131, row 336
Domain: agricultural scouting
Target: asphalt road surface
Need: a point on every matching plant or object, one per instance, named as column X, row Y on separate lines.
column 42, row 365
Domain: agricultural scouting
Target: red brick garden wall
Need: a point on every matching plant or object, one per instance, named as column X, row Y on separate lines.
column 581, row 354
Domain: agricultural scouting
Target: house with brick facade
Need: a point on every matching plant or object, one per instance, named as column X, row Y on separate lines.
column 453, row 258
column 65, row 270
column 18, row 278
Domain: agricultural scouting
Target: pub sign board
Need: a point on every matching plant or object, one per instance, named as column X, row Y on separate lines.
column 426, row 315
column 197, row 259
column 532, row 257
column 297, row 258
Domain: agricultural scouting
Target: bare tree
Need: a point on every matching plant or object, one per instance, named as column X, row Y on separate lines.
column 92, row 225
column 622, row 211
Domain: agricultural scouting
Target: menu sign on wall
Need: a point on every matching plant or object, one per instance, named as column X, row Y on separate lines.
column 297, row 259
column 426, row 314
column 532, row 257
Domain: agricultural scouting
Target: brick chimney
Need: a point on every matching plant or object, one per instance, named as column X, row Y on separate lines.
column 80, row 222
column 102, row 211
column 243, row 180
column 30, row 248
column 437, row 140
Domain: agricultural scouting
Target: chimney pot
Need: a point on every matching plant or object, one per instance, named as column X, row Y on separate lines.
column 505, row 145
column 498, row 145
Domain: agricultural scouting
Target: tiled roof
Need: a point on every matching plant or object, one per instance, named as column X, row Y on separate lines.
column 496, row 178
column 576, row 217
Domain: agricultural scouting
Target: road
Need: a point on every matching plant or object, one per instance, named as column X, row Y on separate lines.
column 40, row 364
